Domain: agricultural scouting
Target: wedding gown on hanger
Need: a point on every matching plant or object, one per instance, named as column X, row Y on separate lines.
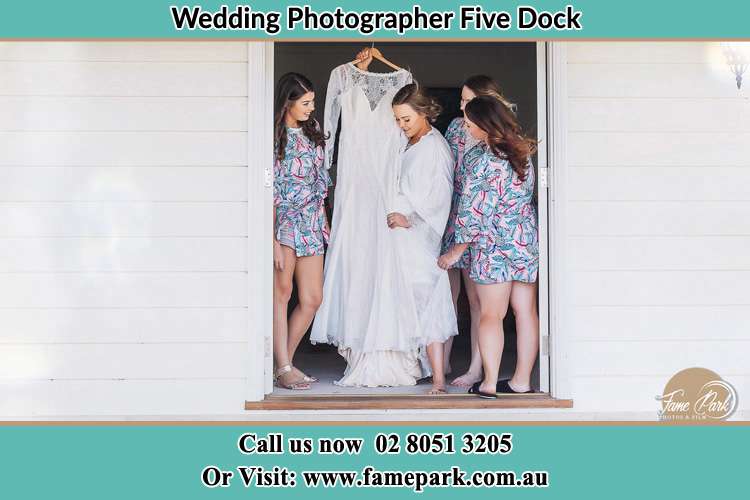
column 367, row 311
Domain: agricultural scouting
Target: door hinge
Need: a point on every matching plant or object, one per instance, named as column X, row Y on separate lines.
column 267, row 177
column 544, row 341
column 544, row 178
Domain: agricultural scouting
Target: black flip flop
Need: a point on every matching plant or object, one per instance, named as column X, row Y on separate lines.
column 474, row 389
column 504, row 387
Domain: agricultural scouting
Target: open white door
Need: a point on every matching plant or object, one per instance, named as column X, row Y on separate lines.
column 260, row 218
column 542, row 197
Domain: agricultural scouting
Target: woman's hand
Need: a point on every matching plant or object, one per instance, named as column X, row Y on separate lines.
column 450, row 257
column 396, row 219
column 278, row 256
column 364, row 57
column 446, row 260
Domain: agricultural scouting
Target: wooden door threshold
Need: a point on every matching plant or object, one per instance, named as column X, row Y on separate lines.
column 406, row 402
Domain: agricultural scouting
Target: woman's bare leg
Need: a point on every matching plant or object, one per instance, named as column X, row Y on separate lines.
column 282, row 292
column 523, row 300
column 435, row 355
column 474, row 373
column 493, row 304
column 308, row 275
column 454, row 276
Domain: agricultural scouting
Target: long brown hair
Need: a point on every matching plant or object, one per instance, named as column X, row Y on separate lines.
column 413, row 95
column 483, row 85
column 291, row 87
column 504, row 135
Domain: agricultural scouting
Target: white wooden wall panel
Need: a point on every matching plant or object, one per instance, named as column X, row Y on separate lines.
column 123, row 290
column 114, row 184
column 658, row 204
column 64, row 219
column 125, row 148
column 657, row 357
column 123, row 228
column 655, row 80
column 123, row 113
column 668, row 148
column 122, row 361
column 83, row 398
column 123, row 254
column 641, row 52
column 169, row 79
column 625, row 394
column 674, row 323
column 124, row 52
column 646, row 288
column 122, row 325
column 657, row 218
column 657, row 115
column 673, row 183
column 654, row 253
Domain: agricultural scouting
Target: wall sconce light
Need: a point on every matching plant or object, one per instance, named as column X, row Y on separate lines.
column 738, row 58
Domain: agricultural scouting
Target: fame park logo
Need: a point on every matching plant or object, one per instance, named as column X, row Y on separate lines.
column 697, row 394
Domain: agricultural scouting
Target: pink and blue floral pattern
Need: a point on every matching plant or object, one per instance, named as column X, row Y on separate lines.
column 456, row 135
column 300, row 187
column 497, row 217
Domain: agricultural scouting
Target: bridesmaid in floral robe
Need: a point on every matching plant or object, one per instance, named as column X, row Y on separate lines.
column 463, row 146
column 496, row 220
column 300, row 187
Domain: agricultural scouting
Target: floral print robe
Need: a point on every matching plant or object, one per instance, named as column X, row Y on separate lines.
column 300, row 187
column 497, row 217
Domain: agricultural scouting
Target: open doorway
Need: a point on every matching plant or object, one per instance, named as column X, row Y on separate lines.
column 439, row 67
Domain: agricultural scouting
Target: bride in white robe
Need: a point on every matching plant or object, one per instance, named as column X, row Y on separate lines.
column 420, row 211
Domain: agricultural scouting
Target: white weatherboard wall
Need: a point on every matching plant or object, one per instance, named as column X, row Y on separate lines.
column 123, row 228
column 657, row 222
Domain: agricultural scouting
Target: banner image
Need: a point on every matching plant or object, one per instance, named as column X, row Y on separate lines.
column 273, row 248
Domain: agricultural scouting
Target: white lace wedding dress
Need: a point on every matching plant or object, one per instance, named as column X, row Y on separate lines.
column 367, row 311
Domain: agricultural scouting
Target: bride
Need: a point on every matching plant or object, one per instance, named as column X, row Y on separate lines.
column 422, row 203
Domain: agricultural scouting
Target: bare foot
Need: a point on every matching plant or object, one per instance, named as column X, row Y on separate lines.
column 519, row 387
column 437, row 390
column 467, row 379
column 489, row 389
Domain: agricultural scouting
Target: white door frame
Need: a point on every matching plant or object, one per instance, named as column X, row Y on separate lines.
column 557, row 95
column 551, row 58
column 542, row 187
column 259, row 219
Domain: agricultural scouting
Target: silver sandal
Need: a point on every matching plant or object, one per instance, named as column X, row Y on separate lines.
column 302, row 385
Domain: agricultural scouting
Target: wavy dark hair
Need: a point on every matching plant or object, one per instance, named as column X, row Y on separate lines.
column 504, row 135
column 291, row 87
column 483, row 85
column 413, row 95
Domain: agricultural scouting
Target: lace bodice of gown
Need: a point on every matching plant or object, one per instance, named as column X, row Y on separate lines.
column 373, row 85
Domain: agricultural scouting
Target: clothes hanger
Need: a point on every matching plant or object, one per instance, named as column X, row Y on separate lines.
column 380, row 58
